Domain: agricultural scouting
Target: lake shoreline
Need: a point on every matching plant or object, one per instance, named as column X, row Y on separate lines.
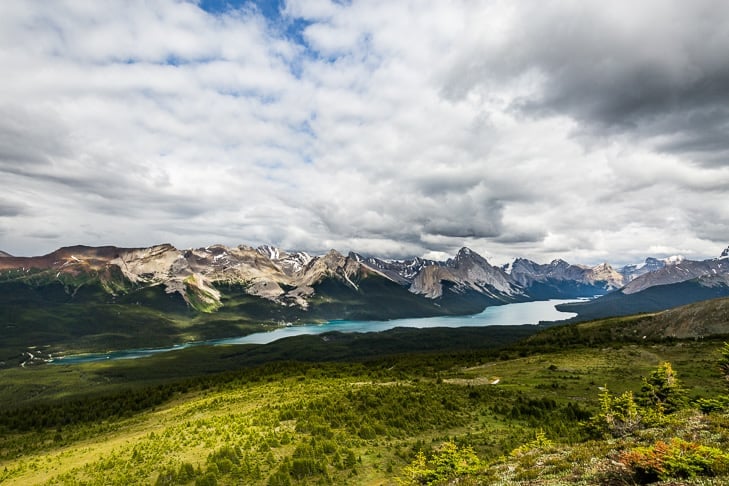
column 523, row 313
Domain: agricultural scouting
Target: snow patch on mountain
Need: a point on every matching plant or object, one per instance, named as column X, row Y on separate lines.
column 724, row 254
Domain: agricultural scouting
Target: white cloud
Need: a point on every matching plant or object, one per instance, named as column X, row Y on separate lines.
column 398, row 128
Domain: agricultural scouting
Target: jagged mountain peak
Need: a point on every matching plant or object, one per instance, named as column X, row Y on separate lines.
column 678, row 269
column 292, row 278
column 467, row 271
column 558, row 262
column 724, row 254
column 467, row 256
column 333, row 255
column 602, row 266
column 269, row 251
column 400, row 271
column 635, row 270
column 674, row 259
column 604, row 272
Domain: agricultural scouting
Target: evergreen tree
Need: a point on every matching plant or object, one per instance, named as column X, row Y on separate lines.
column 662, row 390
column 724, row 361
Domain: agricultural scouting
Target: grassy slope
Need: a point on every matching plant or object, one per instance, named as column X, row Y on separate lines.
column 223, row 412
column 380, row 412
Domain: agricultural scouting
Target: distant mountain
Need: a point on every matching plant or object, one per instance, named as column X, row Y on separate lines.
column 651, row 299
column 633, row 271
column 401, row 271
column 288, row 285
column 724, row 254
column 560, row 279
column 89, row 298
column 4, row 255
column 680, row 271
column 467, row 272
column 658, row 285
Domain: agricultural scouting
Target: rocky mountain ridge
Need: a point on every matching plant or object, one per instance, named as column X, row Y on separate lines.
column 680, row 271
column 293, row 279
column 527, row 272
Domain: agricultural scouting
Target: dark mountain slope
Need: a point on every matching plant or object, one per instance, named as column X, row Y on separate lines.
column 652, row 299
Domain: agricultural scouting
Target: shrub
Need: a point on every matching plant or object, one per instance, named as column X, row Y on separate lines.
column 540, row 442
column 208, row 480
column 305, row 467
column 677, row 459
column 716, row 404
column 618, row 415
column 662, row 390
column 448, row 463
column 724, row 361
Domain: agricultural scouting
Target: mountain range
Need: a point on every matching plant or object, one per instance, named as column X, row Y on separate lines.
column 84, row 298
column 301, row 282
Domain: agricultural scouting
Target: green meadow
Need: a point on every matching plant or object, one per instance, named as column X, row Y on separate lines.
column 543, row 409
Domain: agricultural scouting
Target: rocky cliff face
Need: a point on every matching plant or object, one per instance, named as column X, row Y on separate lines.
column 466, row 271
column 605, row 276
column 401, row 271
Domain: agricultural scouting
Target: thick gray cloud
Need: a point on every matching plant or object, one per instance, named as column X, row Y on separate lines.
column 10, row 209
column 653, row 69
column 29, row 139
column 584, row 130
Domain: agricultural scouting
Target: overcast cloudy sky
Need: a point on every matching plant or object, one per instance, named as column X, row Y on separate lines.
column 588, row 130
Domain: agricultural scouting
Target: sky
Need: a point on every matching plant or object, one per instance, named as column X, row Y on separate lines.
column 578, row 129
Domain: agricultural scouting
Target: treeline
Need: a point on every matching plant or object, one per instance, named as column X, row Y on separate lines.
column 61, row 413
column 127, row 401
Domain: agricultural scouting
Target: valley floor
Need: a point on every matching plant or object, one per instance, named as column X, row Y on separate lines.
column 504, row 419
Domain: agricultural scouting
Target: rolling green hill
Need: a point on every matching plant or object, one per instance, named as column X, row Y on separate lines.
column 404, row 406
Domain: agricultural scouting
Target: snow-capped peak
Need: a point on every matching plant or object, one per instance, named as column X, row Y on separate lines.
column 269, row 251
column 724, row 254
column 674, row 259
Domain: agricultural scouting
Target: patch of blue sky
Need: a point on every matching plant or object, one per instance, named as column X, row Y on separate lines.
column 287, row 27
column 222, row 6
column 306, row 127
column 271, row 10
column 174, row 60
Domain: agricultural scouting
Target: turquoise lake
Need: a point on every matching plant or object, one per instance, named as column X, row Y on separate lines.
column 502, row 315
